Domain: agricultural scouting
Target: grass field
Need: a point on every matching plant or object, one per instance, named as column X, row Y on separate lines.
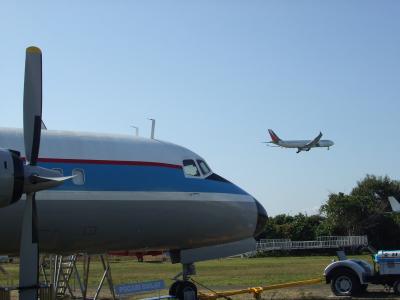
column 216, row 274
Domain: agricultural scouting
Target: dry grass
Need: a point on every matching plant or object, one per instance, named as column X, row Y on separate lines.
column 224, row 274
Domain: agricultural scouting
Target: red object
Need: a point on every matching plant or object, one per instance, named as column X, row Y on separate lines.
column 108, row 162
column 139, row 255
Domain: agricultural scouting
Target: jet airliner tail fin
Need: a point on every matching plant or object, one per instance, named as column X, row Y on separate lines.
column 394, row 204
column 273, row 135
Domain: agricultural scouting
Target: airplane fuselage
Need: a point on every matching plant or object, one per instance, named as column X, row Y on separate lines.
column 128, row 193
column 303, row 143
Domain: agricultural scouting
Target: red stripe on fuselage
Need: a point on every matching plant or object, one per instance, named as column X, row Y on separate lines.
column 108, row 162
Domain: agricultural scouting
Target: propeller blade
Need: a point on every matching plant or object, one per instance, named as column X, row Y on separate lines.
column 29, row 251
column 32, row 103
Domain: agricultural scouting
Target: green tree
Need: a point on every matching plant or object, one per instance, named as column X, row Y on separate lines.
column 303, row 227
column 365, row 211
column 299, row 227
column 345, row 214
column 379, row 188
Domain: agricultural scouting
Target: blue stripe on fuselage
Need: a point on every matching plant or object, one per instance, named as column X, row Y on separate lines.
column 102, row 177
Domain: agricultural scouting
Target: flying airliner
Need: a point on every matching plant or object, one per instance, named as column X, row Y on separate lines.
column 90, row 192
column 301, row 145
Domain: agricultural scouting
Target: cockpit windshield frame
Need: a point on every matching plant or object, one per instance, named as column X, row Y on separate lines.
column 204, row 168
column 191, row 169
column 192, row 165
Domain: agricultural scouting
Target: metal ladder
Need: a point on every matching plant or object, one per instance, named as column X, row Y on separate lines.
column 65, row 270
column 56, row 271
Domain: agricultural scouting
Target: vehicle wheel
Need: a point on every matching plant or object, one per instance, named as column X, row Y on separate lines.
column 363, row 288
column 396, row 287
column 186, row 287
column 345, row 283
column 173, row 288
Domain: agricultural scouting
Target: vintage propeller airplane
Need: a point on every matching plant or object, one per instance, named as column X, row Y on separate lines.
column 121, row 192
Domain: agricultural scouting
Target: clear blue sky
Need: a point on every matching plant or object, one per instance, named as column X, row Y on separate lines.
column 216, row 75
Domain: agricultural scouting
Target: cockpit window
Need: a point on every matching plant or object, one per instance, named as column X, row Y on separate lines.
column 205, row 169
column 190, row 168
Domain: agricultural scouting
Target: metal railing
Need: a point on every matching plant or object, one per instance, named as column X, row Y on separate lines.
column 324, row 242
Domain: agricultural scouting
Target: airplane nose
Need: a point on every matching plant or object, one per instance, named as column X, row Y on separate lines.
column 262, row 219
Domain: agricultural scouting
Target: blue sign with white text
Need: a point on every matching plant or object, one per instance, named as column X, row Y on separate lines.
column 139, row 287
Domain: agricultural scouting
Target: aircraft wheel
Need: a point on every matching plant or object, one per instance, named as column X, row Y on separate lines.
column 173, row 288
column 186, row 288
column 396, row 287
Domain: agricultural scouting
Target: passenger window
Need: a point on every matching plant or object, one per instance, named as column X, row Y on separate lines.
column 190, row 168
column 79, row 178
column 205, row 169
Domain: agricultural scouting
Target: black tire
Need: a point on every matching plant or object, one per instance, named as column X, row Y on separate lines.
column 184, row 287
column 396, row 287
column 173, row 288
column 363, row 288
column 345, row 283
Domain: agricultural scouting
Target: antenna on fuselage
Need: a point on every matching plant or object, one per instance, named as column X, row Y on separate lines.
column 153, row 127
column 136, row 130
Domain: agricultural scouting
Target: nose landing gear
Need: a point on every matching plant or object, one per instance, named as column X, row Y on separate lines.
column 184, row 289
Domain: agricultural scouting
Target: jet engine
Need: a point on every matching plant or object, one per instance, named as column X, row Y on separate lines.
column 11, row 177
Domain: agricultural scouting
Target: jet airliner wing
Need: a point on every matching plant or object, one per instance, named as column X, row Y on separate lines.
column 314, row 142
column 271, row 144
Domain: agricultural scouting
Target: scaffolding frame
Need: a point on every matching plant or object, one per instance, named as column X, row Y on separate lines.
column 62, row 270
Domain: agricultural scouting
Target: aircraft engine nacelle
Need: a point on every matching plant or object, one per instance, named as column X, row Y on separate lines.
column 11, row 177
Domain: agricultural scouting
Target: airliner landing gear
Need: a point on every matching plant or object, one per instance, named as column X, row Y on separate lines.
column 184, row 289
